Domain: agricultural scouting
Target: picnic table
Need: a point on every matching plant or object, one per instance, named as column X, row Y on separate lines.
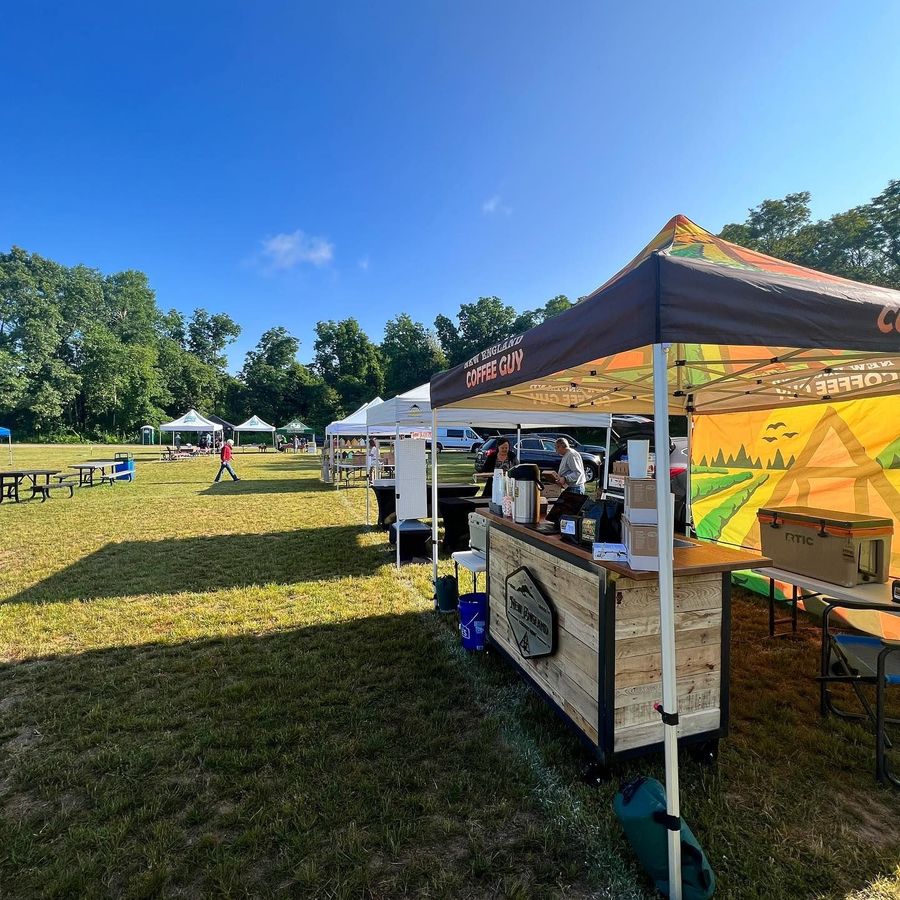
column 11, row 481
column 88, row 470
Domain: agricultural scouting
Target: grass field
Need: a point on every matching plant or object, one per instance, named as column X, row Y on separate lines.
column 227, row 691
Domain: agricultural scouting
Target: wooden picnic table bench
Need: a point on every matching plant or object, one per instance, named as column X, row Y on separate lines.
column 113, row 477
column 45, row 490
column 12, row 480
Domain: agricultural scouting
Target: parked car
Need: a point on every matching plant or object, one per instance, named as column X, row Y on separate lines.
column 458, row 439
column 541, row 450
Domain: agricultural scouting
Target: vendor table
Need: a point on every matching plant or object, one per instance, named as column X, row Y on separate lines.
column 12, row 479
column 386, row 495
column 87, row 470
column 586, row 636
column 873, row 596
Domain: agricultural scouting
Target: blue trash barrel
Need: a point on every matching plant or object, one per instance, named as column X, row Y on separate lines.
column 125, row 463
column 473, row 620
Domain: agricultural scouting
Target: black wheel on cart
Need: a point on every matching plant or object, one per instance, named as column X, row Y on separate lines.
column 706, row 752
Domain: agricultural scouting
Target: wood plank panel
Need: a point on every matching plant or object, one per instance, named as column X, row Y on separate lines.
column 652, row 732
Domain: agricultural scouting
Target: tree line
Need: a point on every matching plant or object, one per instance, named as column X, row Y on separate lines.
column 89, row 355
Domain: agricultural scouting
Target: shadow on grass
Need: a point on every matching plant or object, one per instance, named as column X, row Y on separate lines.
column 250, row 485
column 321, row 760
column 209, row 563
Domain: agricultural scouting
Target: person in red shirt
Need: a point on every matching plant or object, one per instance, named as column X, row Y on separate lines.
column 225, row 457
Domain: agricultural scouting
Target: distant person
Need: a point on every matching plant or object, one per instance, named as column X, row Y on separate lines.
column 177, row 441
column 374, row 459
column 296, row 443
column 225, row 456
column 571, row 469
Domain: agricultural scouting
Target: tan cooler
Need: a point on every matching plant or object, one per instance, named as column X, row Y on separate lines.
column 837, row 547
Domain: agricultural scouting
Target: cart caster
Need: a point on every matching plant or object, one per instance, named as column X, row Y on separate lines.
column 706, row 753
column 595, row 773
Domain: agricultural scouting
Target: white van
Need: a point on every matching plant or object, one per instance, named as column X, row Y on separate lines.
column 458, row 439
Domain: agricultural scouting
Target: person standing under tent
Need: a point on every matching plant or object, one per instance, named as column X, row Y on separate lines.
column 296, row 443
column 225, row 457
column 500, row 459
column 177, row 440
column 571, row 470
column 374, row 459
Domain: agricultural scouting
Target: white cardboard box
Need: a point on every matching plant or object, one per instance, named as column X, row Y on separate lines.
column 642, row 542
column 640, row 501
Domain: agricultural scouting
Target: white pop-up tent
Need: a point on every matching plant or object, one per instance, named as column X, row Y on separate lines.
column 694, row 325
column 412, row 412
column 255, row 425
column 191, row 422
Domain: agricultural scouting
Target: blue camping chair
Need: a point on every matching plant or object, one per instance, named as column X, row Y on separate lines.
column 858, row 660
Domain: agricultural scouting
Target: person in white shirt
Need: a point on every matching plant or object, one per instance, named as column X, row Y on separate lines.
column 571, row 469
column 374, row 460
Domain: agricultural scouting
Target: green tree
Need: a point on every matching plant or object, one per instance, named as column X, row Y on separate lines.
column 480, row 324
column 209, row 335
column 410, row 354
column 348, row 361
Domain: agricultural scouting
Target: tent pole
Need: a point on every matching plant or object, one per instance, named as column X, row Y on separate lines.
column 434, row 501
column 368, row 486
column 606, row 456
column 688, row 508
column 397, row 494
column 518, row 440
column 667, row 608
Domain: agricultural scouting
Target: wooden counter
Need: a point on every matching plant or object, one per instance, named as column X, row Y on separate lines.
column 600, row 623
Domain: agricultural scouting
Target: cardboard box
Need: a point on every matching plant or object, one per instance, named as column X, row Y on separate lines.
column 642, row 542
column 640, row 501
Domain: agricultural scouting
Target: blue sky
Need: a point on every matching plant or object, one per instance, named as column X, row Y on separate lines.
column 294, row 161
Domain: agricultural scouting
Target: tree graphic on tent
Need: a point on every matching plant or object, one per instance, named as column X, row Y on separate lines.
column 862, row 470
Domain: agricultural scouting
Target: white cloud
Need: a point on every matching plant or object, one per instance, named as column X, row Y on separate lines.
column 494, row 205
column 364, row 263
column 284, row 251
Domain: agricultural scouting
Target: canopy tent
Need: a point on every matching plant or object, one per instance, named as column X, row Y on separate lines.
column 413, row 408
column 355, row 423
column 413, row 411
column 295, row 426
column 191, row 422
column 227, row 427
column 693, row 325
column 254, row 424
column 6, row 433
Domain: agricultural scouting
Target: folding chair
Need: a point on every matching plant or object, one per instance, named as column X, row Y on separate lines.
column 858, row 660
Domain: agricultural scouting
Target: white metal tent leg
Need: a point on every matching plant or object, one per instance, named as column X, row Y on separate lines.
column 518, row 440
column 606, row 457
column 396, row 496
column 368, row 470
column 434, row 497
column 667, row 607
column 688, row 508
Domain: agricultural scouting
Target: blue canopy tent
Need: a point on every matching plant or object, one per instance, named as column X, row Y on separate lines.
column 6, row 433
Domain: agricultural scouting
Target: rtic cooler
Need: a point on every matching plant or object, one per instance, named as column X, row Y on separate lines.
column 838, row 547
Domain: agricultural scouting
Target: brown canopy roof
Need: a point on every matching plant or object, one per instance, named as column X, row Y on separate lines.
column 747, row 332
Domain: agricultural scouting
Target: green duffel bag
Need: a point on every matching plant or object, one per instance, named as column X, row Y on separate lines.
column 446, row 594
column 640, row 806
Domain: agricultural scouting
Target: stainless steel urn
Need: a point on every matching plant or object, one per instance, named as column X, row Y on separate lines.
column 526, row 492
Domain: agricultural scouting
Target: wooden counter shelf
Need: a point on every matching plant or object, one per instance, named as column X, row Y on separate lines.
column 600, row 623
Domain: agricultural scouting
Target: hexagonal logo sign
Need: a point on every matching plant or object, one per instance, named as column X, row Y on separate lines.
column 531, row 616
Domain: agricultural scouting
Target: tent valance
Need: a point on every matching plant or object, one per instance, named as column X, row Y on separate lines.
column 5, row 432
column 747, row 331
column 191, row 421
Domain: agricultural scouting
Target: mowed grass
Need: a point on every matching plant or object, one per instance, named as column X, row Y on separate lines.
column 229, row 691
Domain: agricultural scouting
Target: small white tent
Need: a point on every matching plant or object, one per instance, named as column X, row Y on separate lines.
column 191, row 422
column 255, row 424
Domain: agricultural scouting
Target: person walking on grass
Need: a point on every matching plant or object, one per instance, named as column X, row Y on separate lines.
column 225, row 456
